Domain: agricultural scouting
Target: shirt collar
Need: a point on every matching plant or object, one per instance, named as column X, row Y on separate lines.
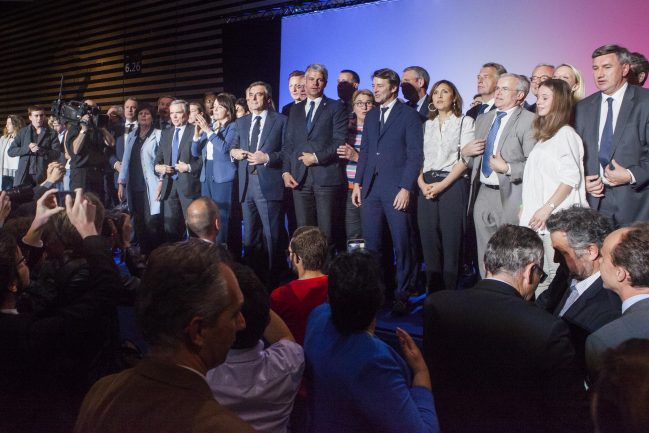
column 263, row 116
column 195, row 371
column 584, row 284
column 9, row 311
column 619, row 94
column 390, row 104
column 316, row 100
column 633, row 300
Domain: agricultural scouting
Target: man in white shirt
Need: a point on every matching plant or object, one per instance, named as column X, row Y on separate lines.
column 612, row 124
column 624, row 269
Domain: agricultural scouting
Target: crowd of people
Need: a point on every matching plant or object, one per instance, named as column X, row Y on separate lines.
column 547, row 202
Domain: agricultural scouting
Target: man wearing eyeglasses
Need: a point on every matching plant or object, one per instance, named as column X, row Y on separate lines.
column 540, row 74
column 504, row 139
column 491, row 350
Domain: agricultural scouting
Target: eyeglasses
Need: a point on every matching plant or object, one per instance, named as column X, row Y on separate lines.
column 542, row 275
column 364, row 104
column 541, row 78
column 505, row 89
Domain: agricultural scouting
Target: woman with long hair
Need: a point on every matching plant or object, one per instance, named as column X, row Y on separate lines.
column 213, row 144
column 9, row 164
column 572, row 76
column 444, row 190
column 554, row 171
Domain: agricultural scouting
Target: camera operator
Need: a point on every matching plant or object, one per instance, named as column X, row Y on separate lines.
column 86, row 145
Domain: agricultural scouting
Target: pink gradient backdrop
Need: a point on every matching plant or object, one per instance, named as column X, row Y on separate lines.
column 452, row 38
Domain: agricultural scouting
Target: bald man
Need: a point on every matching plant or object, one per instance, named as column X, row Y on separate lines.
column 203, row 219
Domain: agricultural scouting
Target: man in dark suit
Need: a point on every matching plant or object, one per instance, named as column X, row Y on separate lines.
column 178, row 169
column 487, row 79
column 414, row 84
column 258, row 147
column 624, row 271
column 125, row 128
column 612, row 124
column 490, row 350
column 541, row 73
column 390, row 160
column 164, row 121
column 189, row 310
column 311, row 167
column 576, row 293
column 36, row 145
column 297, row 87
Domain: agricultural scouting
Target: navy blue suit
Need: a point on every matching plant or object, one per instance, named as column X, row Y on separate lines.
column 261, row 193
column 390, row 160
column 320, row 185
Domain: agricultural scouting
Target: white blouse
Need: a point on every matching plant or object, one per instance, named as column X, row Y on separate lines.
column 551, row 163
column 440, row 145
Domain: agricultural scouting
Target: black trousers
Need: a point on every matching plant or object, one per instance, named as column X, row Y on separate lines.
column 174, row 209
column 442, row 223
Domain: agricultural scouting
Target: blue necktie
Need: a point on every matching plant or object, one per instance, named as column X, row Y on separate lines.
column 491, row 142
column 483, row 108
column 309, row 116
column 382, row 121
column 606, row 142
column 174, row 151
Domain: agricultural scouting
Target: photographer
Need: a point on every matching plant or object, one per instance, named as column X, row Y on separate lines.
column 85, row 143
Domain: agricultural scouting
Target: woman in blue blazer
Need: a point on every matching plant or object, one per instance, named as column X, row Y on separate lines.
column 213, row 144
column 138, row 181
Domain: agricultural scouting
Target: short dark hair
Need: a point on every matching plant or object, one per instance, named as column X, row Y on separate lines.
column 583, row 226
column 355, row 291
column 639, row 64
column 355, row 78
column 267, row 87
column 500, row 69
column 227, row 101
column 255, row 309
column 621, row 392
column 310, row 244
column 8, row 265
column 632, row 253
column 387, row 74
column 421, row 73
column 623, row 55
column 181, row 281
column 512, row 248
column 146, row 107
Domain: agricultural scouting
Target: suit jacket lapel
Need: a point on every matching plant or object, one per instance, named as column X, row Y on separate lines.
column 268, row 125
column 394, row 114
column 318, row 112
column 508, row 128
column 185, row 142
column 622, row 117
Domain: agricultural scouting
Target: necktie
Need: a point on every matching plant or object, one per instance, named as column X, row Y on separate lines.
column 483, row 108
column 382, row 124
column 254, row 137
column 491, row 142
column 309, row 116
column 174, row 151
column 574, row 294
column 606, row 142
column 254, row 140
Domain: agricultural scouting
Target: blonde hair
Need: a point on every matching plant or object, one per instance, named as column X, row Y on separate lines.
column 580, row 92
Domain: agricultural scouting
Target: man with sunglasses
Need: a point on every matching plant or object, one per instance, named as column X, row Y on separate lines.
column 491, row 350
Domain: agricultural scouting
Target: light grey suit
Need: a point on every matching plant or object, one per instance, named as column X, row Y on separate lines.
column 495, row 208
column 634, row 323
column 627, row 203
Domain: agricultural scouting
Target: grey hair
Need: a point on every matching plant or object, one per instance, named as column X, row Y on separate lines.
column 500, row 69
column 182, row 102
column 421, row 73
column 317, row 67
column 182, row 281
column 523, row 84
column 583, row 226
column 623, row 55
column 512, row 248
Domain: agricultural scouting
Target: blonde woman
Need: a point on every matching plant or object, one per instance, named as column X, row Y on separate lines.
column 572, row 76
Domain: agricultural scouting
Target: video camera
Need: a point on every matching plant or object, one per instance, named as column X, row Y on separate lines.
column 73, row 111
